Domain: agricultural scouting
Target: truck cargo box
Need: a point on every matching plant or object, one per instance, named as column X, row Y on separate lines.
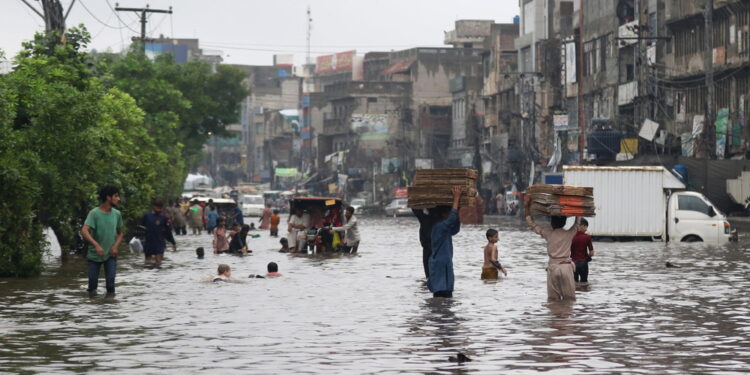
column 630, row 201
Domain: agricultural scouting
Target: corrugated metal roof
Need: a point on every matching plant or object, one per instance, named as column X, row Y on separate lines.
column 398, row 67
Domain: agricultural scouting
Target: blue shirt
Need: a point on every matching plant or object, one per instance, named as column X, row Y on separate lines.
column 239, row 219
column 441, row 261
column 158, row 231
column 212, row 216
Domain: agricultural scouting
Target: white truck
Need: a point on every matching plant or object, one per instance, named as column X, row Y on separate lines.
column 648, row 202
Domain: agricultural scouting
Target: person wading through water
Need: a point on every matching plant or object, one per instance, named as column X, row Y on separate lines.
column 441, row 279
column 560, row 284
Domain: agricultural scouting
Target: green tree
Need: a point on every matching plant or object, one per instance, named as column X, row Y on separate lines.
column 21, row 243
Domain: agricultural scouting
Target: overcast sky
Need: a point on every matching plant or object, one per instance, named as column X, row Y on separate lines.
column 252, row 31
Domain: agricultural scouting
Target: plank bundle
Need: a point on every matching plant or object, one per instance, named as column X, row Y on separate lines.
column 561, row 200
column 432, row 187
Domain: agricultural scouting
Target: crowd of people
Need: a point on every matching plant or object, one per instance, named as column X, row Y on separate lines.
column 104, row 231
column 569, row 250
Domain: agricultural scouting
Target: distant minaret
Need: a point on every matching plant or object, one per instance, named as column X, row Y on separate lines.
column 309, row 29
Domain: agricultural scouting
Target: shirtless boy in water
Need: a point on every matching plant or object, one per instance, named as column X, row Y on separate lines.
column 491, row 264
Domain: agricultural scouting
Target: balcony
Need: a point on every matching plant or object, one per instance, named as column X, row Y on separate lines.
column 332, row 126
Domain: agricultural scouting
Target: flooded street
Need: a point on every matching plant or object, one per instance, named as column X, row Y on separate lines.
column 371, row 312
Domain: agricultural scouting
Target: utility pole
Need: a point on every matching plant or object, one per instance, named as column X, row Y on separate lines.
column 308, row 60
column 143, row 12
column 52, row 14
column 581, row 108
column 709, row 136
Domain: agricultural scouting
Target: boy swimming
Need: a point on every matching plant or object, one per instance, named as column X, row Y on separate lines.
column 491, row 264
column 223, row 273
column 273, row 270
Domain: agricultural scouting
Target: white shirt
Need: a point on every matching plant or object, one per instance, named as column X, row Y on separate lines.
column 351, row 229
column 299, row 220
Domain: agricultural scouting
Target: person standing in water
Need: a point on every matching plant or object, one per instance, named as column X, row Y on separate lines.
column 581, row 251
column 441, row 279
column 491, row 264
column 195, row 216
column 275, row 220
column 351, row 237
column 560, row 268
column 265, row 217
column 211, row 216
column 103, row 230
column 426, row 219
column 158, row 232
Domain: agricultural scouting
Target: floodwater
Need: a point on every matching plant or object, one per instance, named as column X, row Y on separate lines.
column 371, row 313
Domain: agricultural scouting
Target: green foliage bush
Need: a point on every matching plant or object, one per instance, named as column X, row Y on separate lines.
column 70, row 123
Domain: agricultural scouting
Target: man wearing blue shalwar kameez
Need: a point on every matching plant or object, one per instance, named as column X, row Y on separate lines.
column 440, row 281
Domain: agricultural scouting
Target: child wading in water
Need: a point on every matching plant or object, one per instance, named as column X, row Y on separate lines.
column 221, row 244
column 223, row 272
column 275, row 220
column 491, row 264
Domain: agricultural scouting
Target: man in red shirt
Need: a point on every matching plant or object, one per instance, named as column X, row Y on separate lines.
column 581, row 251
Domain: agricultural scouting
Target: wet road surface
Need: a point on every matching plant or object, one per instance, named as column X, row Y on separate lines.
column 371, row 312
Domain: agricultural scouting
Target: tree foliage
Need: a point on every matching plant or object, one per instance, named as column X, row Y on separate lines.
column 70, row 123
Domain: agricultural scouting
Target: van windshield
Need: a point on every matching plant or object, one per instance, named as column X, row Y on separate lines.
column 254, row 200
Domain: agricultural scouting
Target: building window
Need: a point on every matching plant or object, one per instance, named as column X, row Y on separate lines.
column 689, row 39
column 372, row 100
column 595, row 55
column 743, row 32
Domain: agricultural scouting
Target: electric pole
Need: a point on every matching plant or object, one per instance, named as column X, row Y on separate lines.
column 709, row 136
column 581, row 108
column 143, row 12
column 52, row 14
column 308, row 60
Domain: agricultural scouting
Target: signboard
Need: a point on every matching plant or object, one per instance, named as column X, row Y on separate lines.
column 423, row 163
column 722, row 122
column 336, row 62
column 370, row 127
column 285, row 172
column 400, row 192
column 560, row 122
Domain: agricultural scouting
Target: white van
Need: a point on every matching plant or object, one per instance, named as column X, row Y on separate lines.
column 252, row 205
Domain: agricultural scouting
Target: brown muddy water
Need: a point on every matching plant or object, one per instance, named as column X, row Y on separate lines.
column 372, row 314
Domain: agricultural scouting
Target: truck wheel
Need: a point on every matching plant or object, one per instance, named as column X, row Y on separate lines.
column 691, row 238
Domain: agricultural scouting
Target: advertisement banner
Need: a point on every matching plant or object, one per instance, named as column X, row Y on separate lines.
column 722, row 123
column 336, row 62
column 400, row 192
column 560, row 122
column 370, row 127
column 285, row 172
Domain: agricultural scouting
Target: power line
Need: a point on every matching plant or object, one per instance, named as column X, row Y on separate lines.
column 120, row 19
column 97, row 18
column 319, row 45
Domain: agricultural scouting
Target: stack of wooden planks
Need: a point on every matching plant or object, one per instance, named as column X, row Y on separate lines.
column 561, row 200
column 432, row 187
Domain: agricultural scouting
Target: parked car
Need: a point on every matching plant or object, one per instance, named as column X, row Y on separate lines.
column 358, row 205
column 252, row 205
column 397, row 207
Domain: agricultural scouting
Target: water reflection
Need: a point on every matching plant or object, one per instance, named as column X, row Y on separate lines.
column 371, row 313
